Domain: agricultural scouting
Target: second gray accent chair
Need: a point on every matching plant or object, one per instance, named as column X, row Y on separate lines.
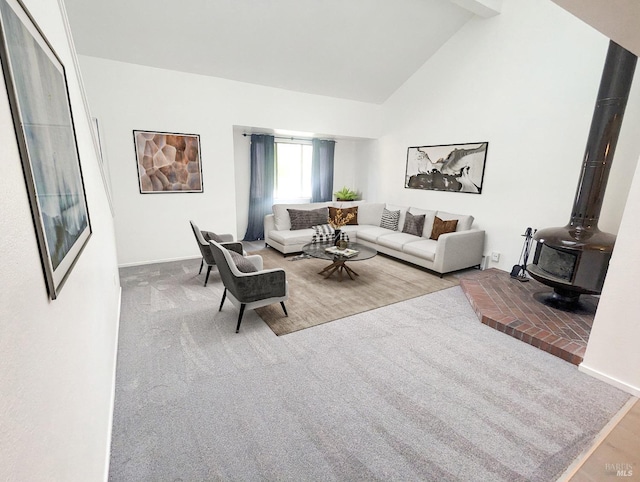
column 205, row 248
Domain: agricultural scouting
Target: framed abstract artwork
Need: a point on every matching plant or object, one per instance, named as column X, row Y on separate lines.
column 41, row 110
column 452, row 167
column 168, row 162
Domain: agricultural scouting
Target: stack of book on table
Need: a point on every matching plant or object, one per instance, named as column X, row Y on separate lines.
column 346, row 252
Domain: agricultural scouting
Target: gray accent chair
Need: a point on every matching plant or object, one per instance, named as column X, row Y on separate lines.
column 249, row 290
column 205, row 249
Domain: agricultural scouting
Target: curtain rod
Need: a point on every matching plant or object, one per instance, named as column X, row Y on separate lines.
column 289, row 138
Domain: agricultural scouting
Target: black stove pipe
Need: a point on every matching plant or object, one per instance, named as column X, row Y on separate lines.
column 611, row 102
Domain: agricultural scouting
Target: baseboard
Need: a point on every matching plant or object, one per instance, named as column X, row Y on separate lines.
column 602, row 435
column 142, row 263
column 112, row 402
column 635, row 391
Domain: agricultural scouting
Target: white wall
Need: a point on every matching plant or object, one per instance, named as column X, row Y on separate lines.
column 612, row 353
column 526, row 82
column 124, row 97
column 57, row 357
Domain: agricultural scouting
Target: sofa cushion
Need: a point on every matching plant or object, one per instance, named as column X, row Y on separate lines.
column 390, row 219
column 372, row 233
column 464, row 221
column 290, row 238
column 307, row 218
column 347, row 204
column 370, row 213
column 281, row 215
column 442, row 227
column 396, row 240
column 351, row 230
column 413, row 224
column 423, row 248
column 345, row 211
column 428, row 220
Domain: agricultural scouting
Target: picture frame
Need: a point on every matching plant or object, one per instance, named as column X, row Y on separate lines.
column 102, row 162
column 168, row 162
column 449, row 167
column 41, row 109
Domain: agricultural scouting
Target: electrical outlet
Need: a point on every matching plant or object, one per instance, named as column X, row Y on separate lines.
column 495, row 256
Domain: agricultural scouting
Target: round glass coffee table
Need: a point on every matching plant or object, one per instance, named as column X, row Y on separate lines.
column 338, row 258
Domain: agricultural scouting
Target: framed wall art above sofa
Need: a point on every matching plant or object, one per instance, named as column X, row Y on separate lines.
column 451, row 167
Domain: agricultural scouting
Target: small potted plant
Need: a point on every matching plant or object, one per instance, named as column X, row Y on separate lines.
column 346, row 194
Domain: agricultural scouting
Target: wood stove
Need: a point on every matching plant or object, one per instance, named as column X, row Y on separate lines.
column 574, row 259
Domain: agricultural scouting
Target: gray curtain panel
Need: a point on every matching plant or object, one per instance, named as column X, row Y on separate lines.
column 262, row 184
column 322, row 170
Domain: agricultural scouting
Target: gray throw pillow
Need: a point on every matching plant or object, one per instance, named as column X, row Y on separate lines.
column 390, row 219
column 208, row 236
column 242, row 263
column 307, row 218
column 413, row 224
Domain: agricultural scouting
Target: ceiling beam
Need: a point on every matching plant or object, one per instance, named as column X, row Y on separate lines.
column 617, row 19
column 482, row 8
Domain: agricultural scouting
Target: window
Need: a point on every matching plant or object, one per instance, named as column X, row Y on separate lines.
column 293, row 172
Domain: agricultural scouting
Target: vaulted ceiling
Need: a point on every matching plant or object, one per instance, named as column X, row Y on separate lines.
column 353, row 49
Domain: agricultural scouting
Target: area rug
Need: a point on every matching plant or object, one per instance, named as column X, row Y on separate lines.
column 314, row 299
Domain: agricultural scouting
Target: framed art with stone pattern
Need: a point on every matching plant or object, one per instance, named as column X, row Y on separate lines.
column 168, row 162
column 452, row 167
column 39, row 98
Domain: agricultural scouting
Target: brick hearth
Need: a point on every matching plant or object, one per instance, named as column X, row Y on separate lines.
column 508, row 305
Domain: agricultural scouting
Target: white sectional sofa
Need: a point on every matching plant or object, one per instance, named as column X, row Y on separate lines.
column 453, row 251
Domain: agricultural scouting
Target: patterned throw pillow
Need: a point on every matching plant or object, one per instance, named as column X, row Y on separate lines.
column 413, row 224
column 323, row 233
column 208, row 235
column 307, row 218
column 345, row 211
column 443, row 227
column 242, row 263
column 390, row 219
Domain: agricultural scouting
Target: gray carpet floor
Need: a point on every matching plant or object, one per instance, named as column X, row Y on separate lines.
column 417, row 390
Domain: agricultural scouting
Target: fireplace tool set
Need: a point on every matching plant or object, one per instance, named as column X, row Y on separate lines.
column 519, row 270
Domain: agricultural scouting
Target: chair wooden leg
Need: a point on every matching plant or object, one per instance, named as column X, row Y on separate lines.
column 206, row 280
column 201, row 265
column 284, row 308
column 224, row 296
column 240, row 317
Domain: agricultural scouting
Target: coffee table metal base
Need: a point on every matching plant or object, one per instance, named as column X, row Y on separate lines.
column 338, row 262
column 338, row 265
